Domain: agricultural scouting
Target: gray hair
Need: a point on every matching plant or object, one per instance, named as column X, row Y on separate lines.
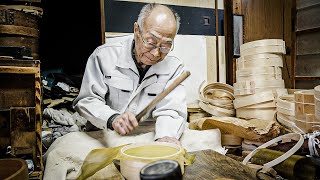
column 147, row 9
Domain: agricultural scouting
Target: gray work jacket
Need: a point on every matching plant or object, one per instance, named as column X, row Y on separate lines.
column 111, row 85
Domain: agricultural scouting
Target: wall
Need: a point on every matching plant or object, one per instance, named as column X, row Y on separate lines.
column 197, row 51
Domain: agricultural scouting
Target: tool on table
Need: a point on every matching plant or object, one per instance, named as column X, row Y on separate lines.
column 181, row 78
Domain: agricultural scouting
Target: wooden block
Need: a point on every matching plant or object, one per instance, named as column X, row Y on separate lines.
column 301, row 108
column 304, row 96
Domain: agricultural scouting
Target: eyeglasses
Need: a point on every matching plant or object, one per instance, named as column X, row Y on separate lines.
column 150, row 45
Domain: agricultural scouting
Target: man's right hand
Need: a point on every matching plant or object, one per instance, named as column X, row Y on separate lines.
column 125, row 123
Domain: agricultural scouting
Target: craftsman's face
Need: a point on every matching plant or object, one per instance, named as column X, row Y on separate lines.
column 155, row 40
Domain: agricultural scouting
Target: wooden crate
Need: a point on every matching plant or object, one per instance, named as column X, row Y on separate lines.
column 20, row 111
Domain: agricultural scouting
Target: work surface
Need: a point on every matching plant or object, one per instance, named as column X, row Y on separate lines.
column 212, row 165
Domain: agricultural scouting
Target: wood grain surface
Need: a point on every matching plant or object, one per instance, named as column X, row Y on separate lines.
column 212, row 165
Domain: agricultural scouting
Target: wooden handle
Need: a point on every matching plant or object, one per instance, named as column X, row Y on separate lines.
column 180, row 79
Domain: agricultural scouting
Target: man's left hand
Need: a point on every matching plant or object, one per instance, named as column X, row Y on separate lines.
column 169, row 140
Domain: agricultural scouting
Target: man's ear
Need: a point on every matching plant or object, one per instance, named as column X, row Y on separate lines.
column 135, row 28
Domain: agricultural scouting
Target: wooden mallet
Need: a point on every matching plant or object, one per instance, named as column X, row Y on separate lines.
column 181, row 78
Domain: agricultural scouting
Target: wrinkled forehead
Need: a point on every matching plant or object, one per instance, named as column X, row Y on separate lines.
column 161, row 22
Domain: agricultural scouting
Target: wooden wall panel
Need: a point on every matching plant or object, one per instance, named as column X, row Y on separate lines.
column 308, row 43
column 271, row 19
column 303, row 18
column 263, row 19
column 308, row 65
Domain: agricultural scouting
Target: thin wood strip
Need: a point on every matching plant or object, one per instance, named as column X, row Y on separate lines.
column 276, row 62
column 245, row 92
column 230, row 140
column 317, row 92
column 261, row 73
column 258, row 84
column 27, row 9
column 269, row 104
column 260, row 57
column 240, row 102
column 263, row 114
column 317, row 104
column 307, row 126
column 258, row 71
column 263, row 42
column 19, row 30
column 264, row 49
column 266, row 96
column 286, row 105
column 19, row 70
column 289, row 124
column 216, row 111
column 217, row 94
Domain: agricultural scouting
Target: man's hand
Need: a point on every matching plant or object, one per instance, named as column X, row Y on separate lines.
column 125, row 123
column 169, row 140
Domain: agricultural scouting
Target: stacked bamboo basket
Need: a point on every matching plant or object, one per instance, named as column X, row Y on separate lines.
column 305, row 108
column 259, row 79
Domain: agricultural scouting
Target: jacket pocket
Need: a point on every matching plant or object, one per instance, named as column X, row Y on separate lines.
column 120, row 89
column 154, row 89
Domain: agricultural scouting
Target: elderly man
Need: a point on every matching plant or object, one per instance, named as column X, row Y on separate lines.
column 122, row 78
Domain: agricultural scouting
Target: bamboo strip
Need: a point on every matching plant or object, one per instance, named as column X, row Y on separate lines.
column 317, row 92
column 288, row 122
column 262, row 56
column 253, row 63
column 261, row 73
column 240, row 102
column 264, row 42
column 255, row 86
column 269, row 104
column 286, row 105
column 262, row 113
column 216, row 111
column 264, row 49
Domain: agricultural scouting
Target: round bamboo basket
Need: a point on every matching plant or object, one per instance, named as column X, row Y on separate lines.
column 130, row 165
column 12, row 169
